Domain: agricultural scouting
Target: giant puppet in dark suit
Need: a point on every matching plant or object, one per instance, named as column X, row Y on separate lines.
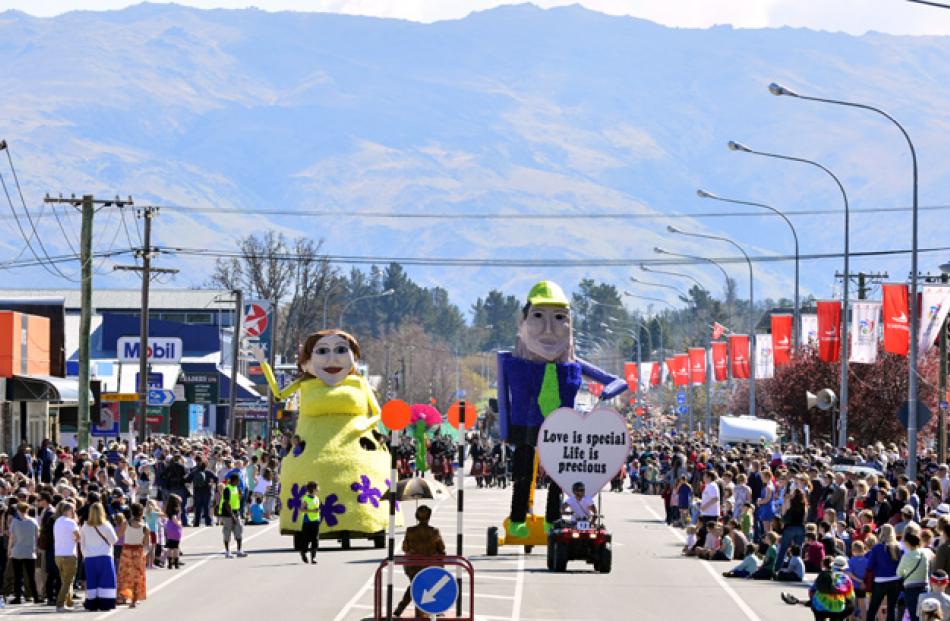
column 541, row 375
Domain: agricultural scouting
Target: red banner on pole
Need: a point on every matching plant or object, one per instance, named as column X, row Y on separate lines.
column 595, row 388
column 781, row 339
column 679, row 369
column 718, row 330
column 631, row 373
column 719, row 361
column 829, row 330
column 655, row 374
column 739, row 355
column 697, row 365
column 896, row 323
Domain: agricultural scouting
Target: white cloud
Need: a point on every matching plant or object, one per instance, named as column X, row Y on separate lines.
column 852, row 16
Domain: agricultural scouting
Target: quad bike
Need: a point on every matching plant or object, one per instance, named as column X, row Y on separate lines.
column 579, row 539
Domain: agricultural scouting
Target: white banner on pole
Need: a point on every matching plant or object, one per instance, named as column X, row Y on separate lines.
column 865, row 317
column 646, row 370
column 764, row 362
column 935, row 302
column 810, row 329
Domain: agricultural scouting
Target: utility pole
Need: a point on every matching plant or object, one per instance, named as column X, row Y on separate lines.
column 145, row 253
column 87, row 205
column 235, row 354
column 943, row 278
column 864, row 281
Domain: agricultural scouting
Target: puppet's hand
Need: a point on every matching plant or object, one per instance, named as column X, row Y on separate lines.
column 258, row 352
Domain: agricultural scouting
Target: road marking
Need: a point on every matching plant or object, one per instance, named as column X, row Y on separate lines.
column 181, row 574
column 490, row 577
column 519, row 588
column 739, row 602
column 353, row 603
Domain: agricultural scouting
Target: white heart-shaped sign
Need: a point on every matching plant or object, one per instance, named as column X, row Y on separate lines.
column 589, row 448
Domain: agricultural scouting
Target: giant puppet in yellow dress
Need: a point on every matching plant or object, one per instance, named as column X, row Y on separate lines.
column 340, row 449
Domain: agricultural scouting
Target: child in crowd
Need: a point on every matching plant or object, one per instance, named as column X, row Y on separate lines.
column 173, row 531
column 684, row 496
column 813, row 552
column 857, row 569
column 794, row 569
column 257, row 512
column 747, row 520
column 769, row 552
column 690, row 540
column 746, row 568
column 727, row 549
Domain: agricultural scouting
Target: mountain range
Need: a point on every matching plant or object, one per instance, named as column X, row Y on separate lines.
column 514, row 110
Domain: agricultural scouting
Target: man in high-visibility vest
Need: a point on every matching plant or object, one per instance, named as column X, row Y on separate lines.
column 310, row 535
column 230, row 511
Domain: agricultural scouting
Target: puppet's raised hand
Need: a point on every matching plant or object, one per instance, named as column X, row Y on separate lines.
column 258, row 352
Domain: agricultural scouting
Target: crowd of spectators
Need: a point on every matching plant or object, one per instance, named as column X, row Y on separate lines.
column 96, row 521
column 850, row 522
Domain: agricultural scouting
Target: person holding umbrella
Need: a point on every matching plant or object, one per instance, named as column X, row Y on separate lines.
column 420, row 540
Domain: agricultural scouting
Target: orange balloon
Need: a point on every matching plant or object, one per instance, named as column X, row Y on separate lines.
column 470, row 414
column 396, row 414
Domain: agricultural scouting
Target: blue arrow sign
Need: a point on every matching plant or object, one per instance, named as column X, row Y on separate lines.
column 683, row 409
column 681, row 398
column 434, row 590
column 161, row 397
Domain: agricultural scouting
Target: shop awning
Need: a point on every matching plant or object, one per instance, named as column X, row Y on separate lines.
column 55, row 390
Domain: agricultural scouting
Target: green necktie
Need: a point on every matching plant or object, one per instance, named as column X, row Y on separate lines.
column 549, row 398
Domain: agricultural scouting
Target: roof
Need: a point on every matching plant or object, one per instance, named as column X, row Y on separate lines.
column 123, row 299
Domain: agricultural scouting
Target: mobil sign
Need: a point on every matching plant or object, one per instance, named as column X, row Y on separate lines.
column 160, row 349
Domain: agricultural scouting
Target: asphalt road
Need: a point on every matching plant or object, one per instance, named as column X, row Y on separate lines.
column 650, row 580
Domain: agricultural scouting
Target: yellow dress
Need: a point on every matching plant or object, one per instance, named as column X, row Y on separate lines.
column 341, row 454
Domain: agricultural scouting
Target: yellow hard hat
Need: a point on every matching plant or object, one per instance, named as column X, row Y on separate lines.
column 547, row 293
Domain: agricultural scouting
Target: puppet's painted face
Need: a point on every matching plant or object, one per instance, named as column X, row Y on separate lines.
column 331, row 360
column 546, row 331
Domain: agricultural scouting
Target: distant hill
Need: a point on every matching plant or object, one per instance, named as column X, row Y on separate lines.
column 515, row 109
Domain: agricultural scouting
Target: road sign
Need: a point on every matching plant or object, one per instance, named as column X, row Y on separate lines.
column 155, row 380
column 107, row 397
column 255, row 320
column 160, row 397
column 681, row 398
column 683, row 409
column 434, row 590
column 944, row 405
column 160, row 349
column 923, row 414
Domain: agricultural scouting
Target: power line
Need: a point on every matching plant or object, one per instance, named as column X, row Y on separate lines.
column 596, row 215
column 49, row 267
column 463, row 262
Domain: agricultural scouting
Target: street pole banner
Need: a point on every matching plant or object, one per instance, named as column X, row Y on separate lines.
column 258, row 322
column 782, row 339
column 739, row 355
column 595, row 388
column 935, row 302
column 864, row 321
column 655, row 373
column 896, row 323
column 764, row 363
column 719, row 361
column 810, row 329
column 630, row 372
column 697, row 365
column 829, row 330
column 679, row 369
column 578, row 448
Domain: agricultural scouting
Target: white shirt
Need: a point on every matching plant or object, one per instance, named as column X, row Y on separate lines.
column 94, row 545
column 709, row 507
column 261, row 486
column 579, row 507
column 64, row 539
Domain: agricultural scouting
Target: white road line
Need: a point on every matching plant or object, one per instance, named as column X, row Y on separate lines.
column 490, row 577
column 739, row 602
column 193, row 566
column 353, row 603
column 519, row 588
column 487, row 596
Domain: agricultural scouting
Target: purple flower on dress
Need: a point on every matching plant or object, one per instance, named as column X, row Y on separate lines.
column 295, row 501
column 329, row 509
column 367, row 493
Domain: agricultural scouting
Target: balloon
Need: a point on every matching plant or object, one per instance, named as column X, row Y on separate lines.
column 470, row 415
column 396, row 414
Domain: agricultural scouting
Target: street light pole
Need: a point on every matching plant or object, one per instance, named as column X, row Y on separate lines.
column 777, row 89
column 673, row 229
column 651, row 270
column 845, row 327
column 797, row 306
